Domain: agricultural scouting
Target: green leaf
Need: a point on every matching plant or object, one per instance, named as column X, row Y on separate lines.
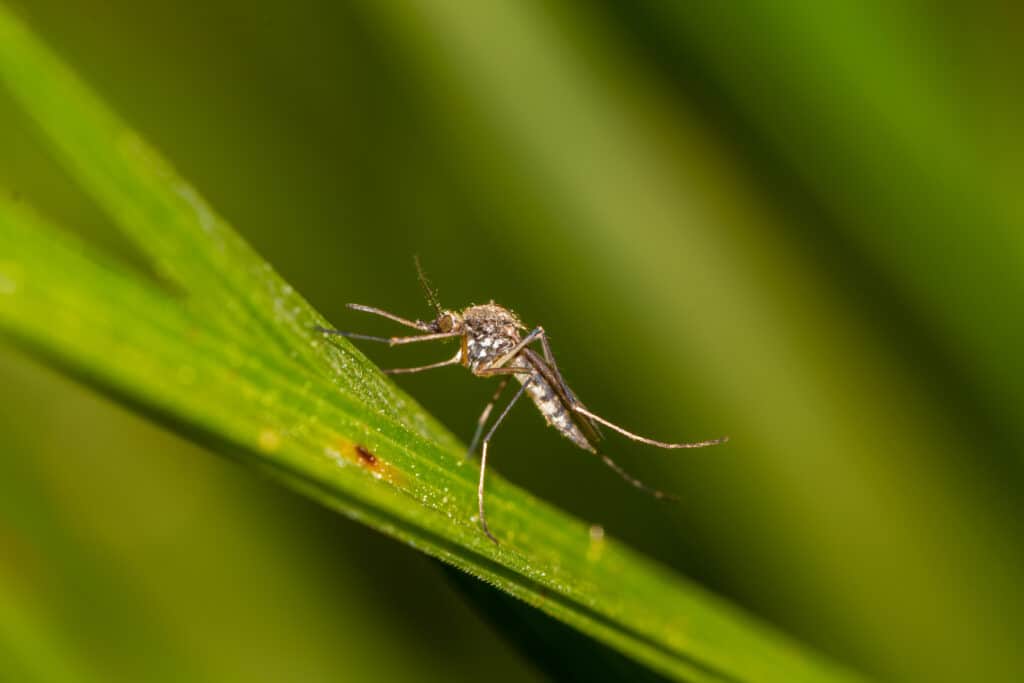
column 219, row 346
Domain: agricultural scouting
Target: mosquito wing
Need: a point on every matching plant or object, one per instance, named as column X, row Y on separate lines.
column 591, row 430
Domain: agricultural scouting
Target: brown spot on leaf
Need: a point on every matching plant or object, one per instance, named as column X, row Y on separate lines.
column 358, row 454
column 365, row 455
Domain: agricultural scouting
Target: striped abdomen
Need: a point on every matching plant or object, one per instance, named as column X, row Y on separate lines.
column 549, row 403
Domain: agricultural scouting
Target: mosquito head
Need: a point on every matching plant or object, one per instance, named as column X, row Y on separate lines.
column 449, row 321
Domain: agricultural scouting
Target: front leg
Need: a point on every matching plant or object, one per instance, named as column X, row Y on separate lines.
column 391, row 341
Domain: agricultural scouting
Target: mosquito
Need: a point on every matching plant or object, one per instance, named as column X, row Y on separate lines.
column 492, row 344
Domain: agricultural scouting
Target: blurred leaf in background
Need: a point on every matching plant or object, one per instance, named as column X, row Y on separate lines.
column 799, row 224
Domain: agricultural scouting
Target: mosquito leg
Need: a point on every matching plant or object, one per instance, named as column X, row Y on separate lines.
column 416, row 324
column 483, row 458
column 483, row 417
column 642, row 439
column 576, row 406
column 538, row 333
column 392, row 341
column 491, row 372
column 404, row 371
column 660, row 495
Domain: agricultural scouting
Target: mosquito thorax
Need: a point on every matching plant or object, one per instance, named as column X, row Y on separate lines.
column 491, row 320
column 491, row 330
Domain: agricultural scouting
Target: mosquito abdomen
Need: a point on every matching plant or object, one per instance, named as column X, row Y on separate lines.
column 550, row 405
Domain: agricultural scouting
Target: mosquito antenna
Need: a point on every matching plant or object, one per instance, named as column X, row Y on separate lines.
column 428, row 288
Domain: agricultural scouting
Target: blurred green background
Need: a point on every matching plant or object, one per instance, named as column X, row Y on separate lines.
column 799, row 224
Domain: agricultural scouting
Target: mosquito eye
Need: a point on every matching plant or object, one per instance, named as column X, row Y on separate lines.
column 446, row 323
